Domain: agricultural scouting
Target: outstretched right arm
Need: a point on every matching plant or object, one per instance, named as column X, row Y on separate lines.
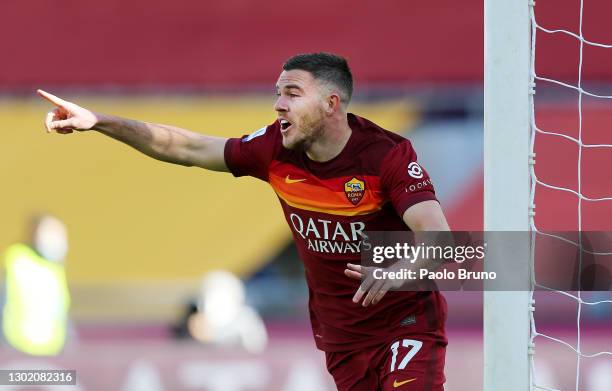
column 161, row 142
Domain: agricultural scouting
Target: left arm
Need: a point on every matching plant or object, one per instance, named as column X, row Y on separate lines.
column 421, row 217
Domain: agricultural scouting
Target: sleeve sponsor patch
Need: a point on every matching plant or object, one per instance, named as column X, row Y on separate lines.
column 415, row 171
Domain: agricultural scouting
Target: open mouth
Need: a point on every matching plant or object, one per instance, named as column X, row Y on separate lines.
column 284, row 124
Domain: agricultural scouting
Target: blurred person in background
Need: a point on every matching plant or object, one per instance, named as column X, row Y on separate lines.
column 37, row 300
column 337, row 175
column 221, row 316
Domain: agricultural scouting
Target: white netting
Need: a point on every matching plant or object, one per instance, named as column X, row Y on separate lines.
column 535, row 182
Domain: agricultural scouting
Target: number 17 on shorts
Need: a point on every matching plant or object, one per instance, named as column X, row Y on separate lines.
column 413, row 365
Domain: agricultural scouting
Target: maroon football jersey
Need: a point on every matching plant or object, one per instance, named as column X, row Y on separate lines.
column 328, row 207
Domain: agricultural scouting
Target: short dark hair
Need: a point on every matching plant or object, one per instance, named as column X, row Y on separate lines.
column 326, row 67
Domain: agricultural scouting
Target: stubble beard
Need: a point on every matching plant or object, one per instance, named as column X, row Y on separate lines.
column 311, row 129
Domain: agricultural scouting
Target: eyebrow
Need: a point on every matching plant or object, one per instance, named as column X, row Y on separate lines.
column 290, row 86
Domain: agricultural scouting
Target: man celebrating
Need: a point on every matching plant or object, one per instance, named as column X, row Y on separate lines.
column 336, row 175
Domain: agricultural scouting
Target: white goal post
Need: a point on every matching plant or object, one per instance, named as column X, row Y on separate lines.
column 507, row 88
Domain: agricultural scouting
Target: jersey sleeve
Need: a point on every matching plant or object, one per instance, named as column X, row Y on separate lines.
column 251, row 154
column 403, row 179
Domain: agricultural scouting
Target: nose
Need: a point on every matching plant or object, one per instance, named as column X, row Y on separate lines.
column 281, row 105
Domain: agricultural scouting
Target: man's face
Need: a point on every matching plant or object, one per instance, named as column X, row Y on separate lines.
column 301, row 108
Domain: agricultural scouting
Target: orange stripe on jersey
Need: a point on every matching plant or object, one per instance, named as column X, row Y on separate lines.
column 302, row 190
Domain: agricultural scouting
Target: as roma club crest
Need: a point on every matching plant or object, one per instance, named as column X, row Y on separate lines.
column 354, row 190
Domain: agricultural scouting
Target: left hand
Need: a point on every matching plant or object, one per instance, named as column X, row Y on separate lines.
column 376, row 289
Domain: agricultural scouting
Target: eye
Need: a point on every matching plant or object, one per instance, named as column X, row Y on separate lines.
column 293, row 95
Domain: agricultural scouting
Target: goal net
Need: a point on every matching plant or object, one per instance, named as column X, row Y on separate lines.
column 548, row 156
column 571, row 186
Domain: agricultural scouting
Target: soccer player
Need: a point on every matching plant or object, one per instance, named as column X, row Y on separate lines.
column 336, row 175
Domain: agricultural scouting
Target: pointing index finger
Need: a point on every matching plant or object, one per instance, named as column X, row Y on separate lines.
column 52, row 98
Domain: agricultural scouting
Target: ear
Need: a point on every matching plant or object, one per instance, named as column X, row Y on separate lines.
column 333, row 103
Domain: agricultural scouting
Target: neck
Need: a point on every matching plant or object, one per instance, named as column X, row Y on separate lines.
column 331, row 142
